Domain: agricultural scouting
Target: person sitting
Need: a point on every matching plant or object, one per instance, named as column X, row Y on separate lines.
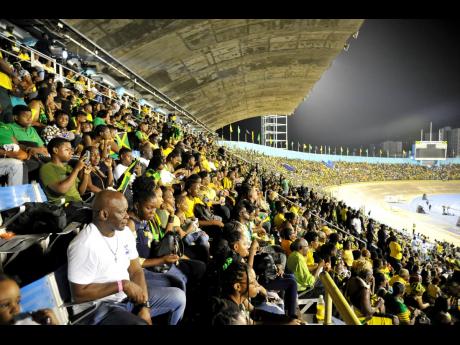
column 60, row 180
column 11, row 158
column 394, row 304
column 358, row 291
column 126, row 160
column 59, row 128
column 288, row 235
column 196, row 240
column 104, row 266
column 25, row 134
column 297, row 264
column 101, row 175
column 10, row 310
column 102, row 118
column 102, row 139
column 402, row 277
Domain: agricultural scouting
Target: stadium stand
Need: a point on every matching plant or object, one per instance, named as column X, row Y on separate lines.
column 188, row 230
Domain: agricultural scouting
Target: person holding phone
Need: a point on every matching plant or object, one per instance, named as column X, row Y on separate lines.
column 58, row 178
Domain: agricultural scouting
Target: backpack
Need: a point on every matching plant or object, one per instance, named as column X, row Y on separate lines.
column 39, row 218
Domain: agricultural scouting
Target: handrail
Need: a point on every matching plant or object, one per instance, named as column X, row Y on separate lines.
column 56, row 64
column 333, row 293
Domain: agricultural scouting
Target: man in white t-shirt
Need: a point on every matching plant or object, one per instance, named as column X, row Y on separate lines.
column 356, row 224
column 104, row 267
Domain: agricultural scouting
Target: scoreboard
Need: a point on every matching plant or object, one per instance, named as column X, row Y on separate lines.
column 430, row 150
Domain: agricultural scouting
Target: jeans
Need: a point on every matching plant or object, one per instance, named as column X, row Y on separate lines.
column 163, row 299
column 287, row 284
column 14, row 169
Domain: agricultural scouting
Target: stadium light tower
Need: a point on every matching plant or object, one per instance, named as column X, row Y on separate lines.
column 274, row 131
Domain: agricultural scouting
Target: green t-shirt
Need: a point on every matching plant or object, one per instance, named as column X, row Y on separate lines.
column 141, row 136
column 6, row 134
column 98, row 121
column 26, row 134
column 298, row 265
column 51, row 173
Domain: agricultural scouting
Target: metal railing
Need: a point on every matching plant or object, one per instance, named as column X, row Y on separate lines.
column 334, row 296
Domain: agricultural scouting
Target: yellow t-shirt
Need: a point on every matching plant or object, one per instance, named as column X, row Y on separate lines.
column 395, row 250
column 191, row 205
column 5, row 80
column 347, row 257
column 167, row 151
column 227, row 183
column 206, row 165
column 398, row 279
column 294, row 209
column 279, row 219
column 310, row 259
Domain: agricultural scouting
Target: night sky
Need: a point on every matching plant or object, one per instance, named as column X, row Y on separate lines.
column 396, row 77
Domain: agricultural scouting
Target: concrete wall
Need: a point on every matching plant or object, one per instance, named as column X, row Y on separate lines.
column 271, row 151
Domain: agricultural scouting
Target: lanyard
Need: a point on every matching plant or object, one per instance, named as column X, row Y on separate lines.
column 156, row 230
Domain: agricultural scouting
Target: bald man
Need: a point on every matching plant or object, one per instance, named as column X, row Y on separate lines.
column 104, row 267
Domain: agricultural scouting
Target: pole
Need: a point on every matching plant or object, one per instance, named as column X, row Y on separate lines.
column 431, row 127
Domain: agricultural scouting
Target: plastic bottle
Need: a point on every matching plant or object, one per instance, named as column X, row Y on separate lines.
column 320, row 309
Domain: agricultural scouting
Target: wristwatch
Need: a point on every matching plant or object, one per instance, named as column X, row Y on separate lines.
column 146, row 304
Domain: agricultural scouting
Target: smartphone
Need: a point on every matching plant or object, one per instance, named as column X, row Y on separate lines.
column 87, row 157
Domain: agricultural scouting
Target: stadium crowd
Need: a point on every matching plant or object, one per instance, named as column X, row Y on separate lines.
column 319, row 174
column 182, row 229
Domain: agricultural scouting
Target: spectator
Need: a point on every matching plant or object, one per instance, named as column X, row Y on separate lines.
column 395, row 305
column 91, row 280
column 58, row 129
column 10, row 295
column 59, row 179
column 101, row 175
column 297, row 264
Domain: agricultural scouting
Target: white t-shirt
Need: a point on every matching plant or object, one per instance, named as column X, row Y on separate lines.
column 356, row 223
column 91, row 260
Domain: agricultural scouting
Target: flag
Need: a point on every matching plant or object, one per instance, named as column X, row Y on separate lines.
column 252, row 135
column 380, row 152
column 321, row 149
column 231, row 129
column 288, row 167
column 367, row 152
column 341, row 149
column 329, row 150
column 126, row 177
column 258, row 138
column 122, row 140
column 270, row 140
column 329, row 164
column 404, row 153
column 347, row 151
column 292, row 145
column 360, row 150
column 239, row 130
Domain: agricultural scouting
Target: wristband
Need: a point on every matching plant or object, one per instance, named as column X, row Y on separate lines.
column 120, row 286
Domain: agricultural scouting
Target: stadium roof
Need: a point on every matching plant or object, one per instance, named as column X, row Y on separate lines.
column 225, row 70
